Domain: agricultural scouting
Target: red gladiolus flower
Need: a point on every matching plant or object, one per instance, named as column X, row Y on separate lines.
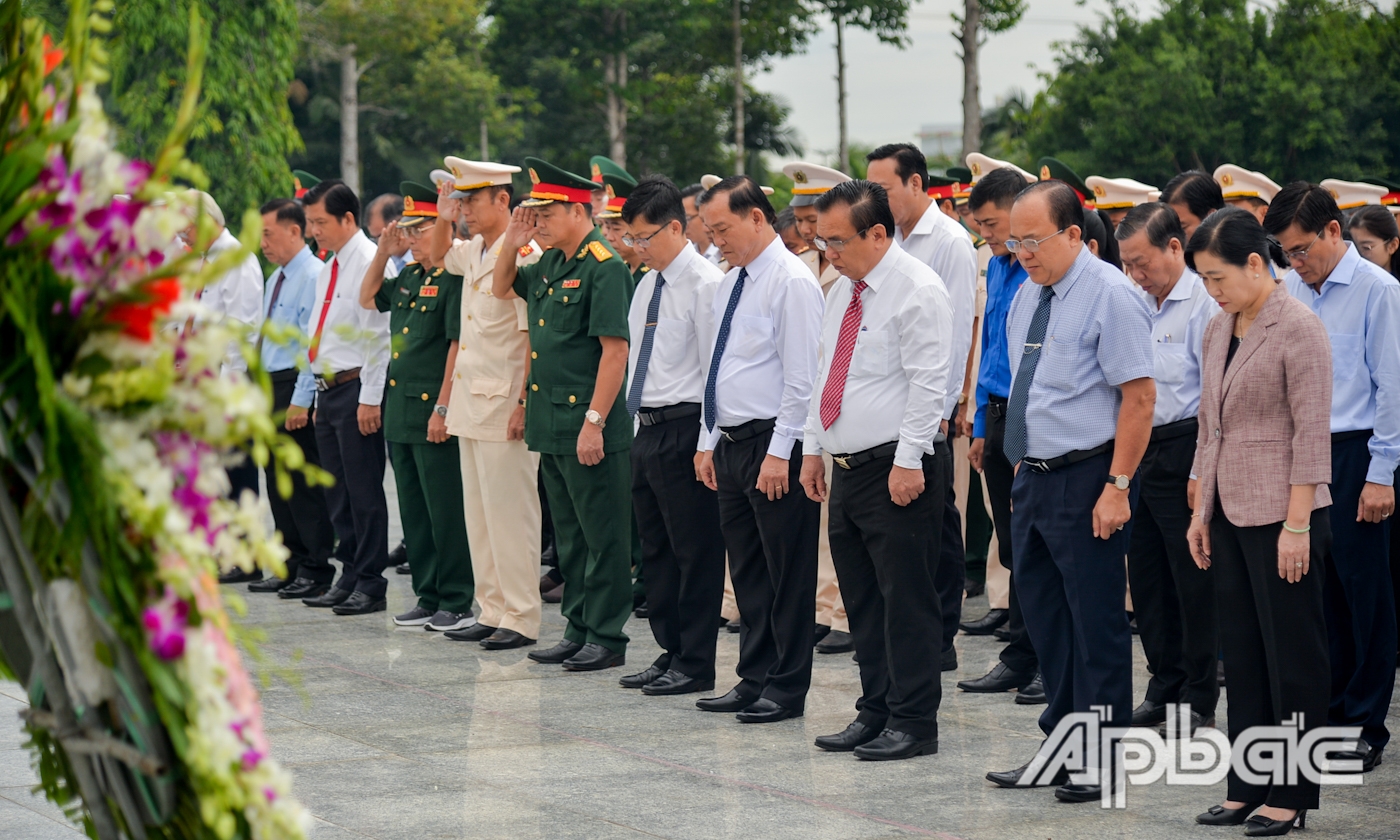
column 136, row 318
column 52, row 57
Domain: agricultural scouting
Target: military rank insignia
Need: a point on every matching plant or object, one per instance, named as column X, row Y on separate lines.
column 428, row 291
column 525, row 250
column 571, row 284
column 599, row 251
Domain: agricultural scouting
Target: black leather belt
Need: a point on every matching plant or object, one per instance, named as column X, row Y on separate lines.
column 657, row 416
column 325, row 383
column 744, row 431
column 1168, row 431
column 1052, row 464
column 1343, row 437
column 865, row 456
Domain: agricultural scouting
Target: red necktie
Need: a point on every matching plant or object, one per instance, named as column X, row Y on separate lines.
column 325, row 307
column 835, row 387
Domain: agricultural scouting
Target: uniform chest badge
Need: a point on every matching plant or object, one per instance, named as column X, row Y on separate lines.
column 404, row 291
column 525, row 250
column 571, row 284
column 428, row 291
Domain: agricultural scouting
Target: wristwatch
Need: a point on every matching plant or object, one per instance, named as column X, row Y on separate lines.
column 1120, row 481
column 595, row 418
column 440, row 409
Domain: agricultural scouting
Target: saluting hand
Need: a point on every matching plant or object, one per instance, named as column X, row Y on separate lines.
column 813, row 477
column 521, row 228
column 448, row 208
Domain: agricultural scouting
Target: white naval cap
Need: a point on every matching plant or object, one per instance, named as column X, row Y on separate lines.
column 980, row 165
column 709, row 181
column 440, row 177
column 1238, row 182
column 1351, row 194
column 1120, row 193
column 810, row 180
column 470, row 175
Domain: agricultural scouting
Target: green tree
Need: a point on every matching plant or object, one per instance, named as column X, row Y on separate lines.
column 979, row 19
column 244, row 130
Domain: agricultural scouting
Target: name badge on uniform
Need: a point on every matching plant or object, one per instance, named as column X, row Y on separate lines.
column 571, row 284
column 428, row 291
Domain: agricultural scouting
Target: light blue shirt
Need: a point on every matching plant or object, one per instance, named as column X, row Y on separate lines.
column 293, row 308
column 1360, row 306
column 1099, row 337
column 1178, row 328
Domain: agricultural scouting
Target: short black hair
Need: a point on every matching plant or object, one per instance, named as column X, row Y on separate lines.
column 287, row 210
column 1309, row 206
column 908, row 161
column 1232, row 235
column 388, row 206
column 656, row 199
column 1380, row 223
column 744, row 195
column 870, row 205
column 1157, row 220
column 786, row 219
column 1099, row 227
column 692, row 190
column 1197, row 190
column 338, row 199
column 1066, row 210
column 999, row 187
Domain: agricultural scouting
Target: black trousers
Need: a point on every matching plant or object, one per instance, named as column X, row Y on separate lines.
column 359, row 511
column 303, row 518
column 1072, row 586
column 1173, row 599
column 1019, row 654
column 772, row 549
column 950, row 576
column 1275, row 641
column 682, row 546
column 1359, row 601
column 887, row 558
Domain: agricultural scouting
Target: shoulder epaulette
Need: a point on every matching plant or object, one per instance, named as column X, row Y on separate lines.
column 525, row 250
column 599, row 251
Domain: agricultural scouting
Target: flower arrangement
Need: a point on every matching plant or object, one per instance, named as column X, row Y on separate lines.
column 116, row 423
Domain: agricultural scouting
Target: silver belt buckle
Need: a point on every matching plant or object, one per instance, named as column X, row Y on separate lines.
column 725, row 435
column 841, row 461
column 1038, row 465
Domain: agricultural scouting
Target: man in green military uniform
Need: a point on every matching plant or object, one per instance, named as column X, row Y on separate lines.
column 577, row 297
column 598, row 166
column 424, row 306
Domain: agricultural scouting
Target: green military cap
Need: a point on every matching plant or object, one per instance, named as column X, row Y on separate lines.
column 598, row 166
column 549, row 184
column 963, row 188
column 1054, row 170
column 419, row 204
column 618, row 188
column 940, row 187
column 302, row 181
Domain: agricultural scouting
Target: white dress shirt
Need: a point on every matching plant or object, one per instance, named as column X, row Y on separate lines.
column 352, row 337
column 899, row 366
column 944, row 246
column 712, row 254
column 1177, row 329
column 678, row 365
column 770, row 360
column 235, row 296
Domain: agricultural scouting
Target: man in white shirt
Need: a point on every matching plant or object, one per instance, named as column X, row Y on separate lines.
column 762, row 362
column 936, row 240
column 677, row 516
column 349, row 357
column 695, row 229
column 875, row 407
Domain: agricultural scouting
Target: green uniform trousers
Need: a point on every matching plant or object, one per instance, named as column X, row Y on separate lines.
column 429, row 478
column 592, row 512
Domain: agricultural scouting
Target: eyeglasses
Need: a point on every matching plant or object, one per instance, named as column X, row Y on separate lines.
column 838, row 245
column 641, row 241
column 1030, row 246
column 1302, row 253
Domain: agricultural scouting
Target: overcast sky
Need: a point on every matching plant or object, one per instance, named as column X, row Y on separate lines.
column 892, row 92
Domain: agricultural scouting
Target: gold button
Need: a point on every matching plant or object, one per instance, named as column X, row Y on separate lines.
column 534, row 355
column 572, row 398
column 459, row 376
column 469, row 317
column 551, row 291
column 566, row 298
column 534, row 387
column 425, row 397
column 424, row 309
column 405, row 330
column 392, row 383
column 541, row 324
column 396, row 355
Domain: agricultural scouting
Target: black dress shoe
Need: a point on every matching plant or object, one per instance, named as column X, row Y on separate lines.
column 837, row 642
column 674, row 682
column 1220, row 672
column 1149, row 713
column 1220, row 815
column 1261, row 826
column 949, row 661
column 1012, row 778
column 893, row 745
column 1069, row 792
column 1033, row 694
column 1368, row 755
column 303, row 588
column 733, row 626
column 403, row 569
column 642, row 612
column 474, row 633
column 594, row 657
column 558, row 653
column 554, row 596
column 974, row 588
column 650, row 675
column 731, row 702
column 819, row 633
column 269, row 584
column 399, row 556
column 764, row 710
column 504, row 639
column 1132, row 624
column 985, row 625
column 1002, row 634
column 332, row 597
column 1197, row 721
column 360, row 604
column 1000, row 678
column 849, row 738
column 240, row 576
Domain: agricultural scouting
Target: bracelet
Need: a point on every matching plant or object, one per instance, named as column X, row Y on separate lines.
column 1302, row 530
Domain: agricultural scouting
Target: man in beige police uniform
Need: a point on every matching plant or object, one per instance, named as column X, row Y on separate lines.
column 1116, row 196
column 486, row 412
column 1251, row 191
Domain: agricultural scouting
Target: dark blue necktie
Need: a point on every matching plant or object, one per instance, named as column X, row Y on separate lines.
column 721, row 339
column 1016, row 439
column 639, row 376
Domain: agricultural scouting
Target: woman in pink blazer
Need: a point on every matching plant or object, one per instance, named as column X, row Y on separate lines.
column 1263, row 463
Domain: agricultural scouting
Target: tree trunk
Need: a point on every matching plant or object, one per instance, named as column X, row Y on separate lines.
column 738, row 87
column 350, row 118
column 485, row 138
column 972, row 85
column 844, row 152
column 615, row 81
